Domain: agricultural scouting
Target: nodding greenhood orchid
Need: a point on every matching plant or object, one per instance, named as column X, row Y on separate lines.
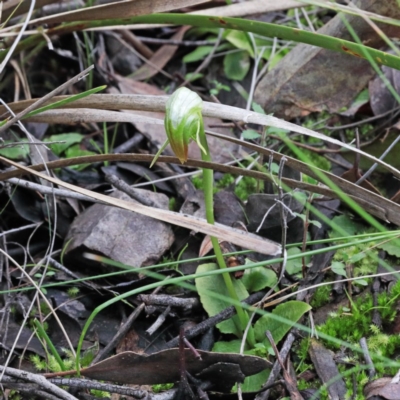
column 183, row 122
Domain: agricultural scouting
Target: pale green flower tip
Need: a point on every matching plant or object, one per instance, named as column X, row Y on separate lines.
column 183, row 120
column 183, row 102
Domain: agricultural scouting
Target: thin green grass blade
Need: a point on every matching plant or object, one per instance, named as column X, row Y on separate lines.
column 42, row 334
column 61, row 103
column 346, row 239
column 261, row 28
column 181, row 281
column 71, row 99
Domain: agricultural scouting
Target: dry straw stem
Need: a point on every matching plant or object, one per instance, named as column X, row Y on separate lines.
column 255, row 7
column 39, row 380
column 157, row 103
column 376, row 205
column 124, row 9
column 236, row 236
column 120, row 9
column 371, row 202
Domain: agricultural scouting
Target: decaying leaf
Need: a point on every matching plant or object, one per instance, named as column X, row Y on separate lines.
column 327, row 370
column 383, row 388
column 127, row 237
column 299, row 83
column 163, row 367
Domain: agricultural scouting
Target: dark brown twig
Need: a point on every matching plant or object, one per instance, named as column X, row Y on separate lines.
column 367, row 358
column 159, row 321
column 276, row 369
column 211, row 322
column 167, row 300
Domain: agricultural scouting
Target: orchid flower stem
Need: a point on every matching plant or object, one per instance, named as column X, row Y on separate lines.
column 183, row 123
column 208, row 180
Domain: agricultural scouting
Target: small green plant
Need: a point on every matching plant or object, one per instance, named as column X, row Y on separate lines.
column 183, row 123
column 14, row 395
column 14, row 150
column 238, row 48
column 321, row 296
column 351, row 325
column 73, row 291
column 69, row 146
column 162, row 387
column 218, row 86
column 50, row 363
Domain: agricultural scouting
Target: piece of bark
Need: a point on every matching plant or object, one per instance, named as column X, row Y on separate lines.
column 124, row 236
column 327, row 370
column 312, row 79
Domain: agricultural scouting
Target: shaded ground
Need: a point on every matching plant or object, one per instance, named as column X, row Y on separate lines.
column 137, row 289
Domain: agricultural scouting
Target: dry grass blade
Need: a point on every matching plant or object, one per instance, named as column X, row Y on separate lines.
column 373, row 203
column 9, row 7
column 36, row 104
column 157, row 103
column 121, row 9
column 376, row 205
column 252, row 7
column 87, row 115
column 236, row 236
column 249, row 8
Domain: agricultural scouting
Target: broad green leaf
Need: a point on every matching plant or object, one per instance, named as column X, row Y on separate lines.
column 361, row 282
column 227, row 347
column 256, row 279
column 17, row 152
column 295, row 266
column 255, row 382
column 250, row 134
column 191, row 77
column 236, row 65
column 357, row 257
column 257, row 108
column 68, row 140
column 251, row 383
column 198, row 54
column 240, row 40
column 201, row 52
column 391, row 248
column 338, row 268
column 345, row 223
column 76, row 151
column 291, row 310
column 213, row 306
column 276, row 58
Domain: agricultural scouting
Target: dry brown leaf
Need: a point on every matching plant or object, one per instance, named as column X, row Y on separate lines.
column 382, row 388
column 159, row 59
column 327, row 370
column 120, row 9
column 310, row 78
column 129, row 367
